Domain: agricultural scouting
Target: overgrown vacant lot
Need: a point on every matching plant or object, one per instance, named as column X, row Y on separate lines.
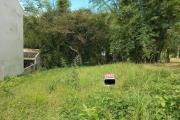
column 141, row 92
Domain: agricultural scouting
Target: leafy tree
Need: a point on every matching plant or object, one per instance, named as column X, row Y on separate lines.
column 31, row 34
column 135, row 30
column 85, row 36
column 138, row 31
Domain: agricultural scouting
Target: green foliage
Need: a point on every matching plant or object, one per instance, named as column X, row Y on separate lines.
column 130, row 39
column 139, row 93
column 138, row 29
column 127, row 30
column 63, row 5
column 72, row 78
column 71, row 35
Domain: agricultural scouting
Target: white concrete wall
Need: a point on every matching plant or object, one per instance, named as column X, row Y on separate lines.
column 11, row 38
column 38, row 61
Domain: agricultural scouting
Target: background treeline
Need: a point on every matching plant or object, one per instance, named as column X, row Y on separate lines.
column 119, row 30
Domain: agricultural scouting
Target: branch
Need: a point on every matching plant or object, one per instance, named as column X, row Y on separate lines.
column 71, row 48
column 107, row 6
column 116, row 5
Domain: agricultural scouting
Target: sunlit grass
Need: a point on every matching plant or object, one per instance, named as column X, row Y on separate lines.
column 175, row 60
column 79, row 93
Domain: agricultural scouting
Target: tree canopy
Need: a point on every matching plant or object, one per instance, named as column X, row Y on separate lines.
column 120, row 30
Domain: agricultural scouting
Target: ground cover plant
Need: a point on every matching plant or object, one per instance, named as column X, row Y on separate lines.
column 78, row 93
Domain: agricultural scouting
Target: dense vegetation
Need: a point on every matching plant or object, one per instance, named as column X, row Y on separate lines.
column 119, row 30
column 78, row 93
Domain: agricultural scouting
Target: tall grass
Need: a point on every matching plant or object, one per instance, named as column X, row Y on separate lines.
column 79, row 93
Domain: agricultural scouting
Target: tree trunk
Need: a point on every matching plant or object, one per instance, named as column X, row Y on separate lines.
column 167, row 56
column 79, row 57
column 78, row 53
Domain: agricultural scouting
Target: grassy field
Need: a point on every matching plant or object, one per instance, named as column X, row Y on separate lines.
column 141, row 92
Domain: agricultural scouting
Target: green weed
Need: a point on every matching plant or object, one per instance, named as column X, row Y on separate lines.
column 78, row 93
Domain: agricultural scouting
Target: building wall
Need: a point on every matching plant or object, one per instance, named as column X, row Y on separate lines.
column 38, row 61
column 11, row 38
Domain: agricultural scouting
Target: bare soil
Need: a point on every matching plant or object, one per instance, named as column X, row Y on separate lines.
column 174, row 64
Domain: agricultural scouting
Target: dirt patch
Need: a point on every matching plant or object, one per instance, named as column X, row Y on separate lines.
column 174, row 64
